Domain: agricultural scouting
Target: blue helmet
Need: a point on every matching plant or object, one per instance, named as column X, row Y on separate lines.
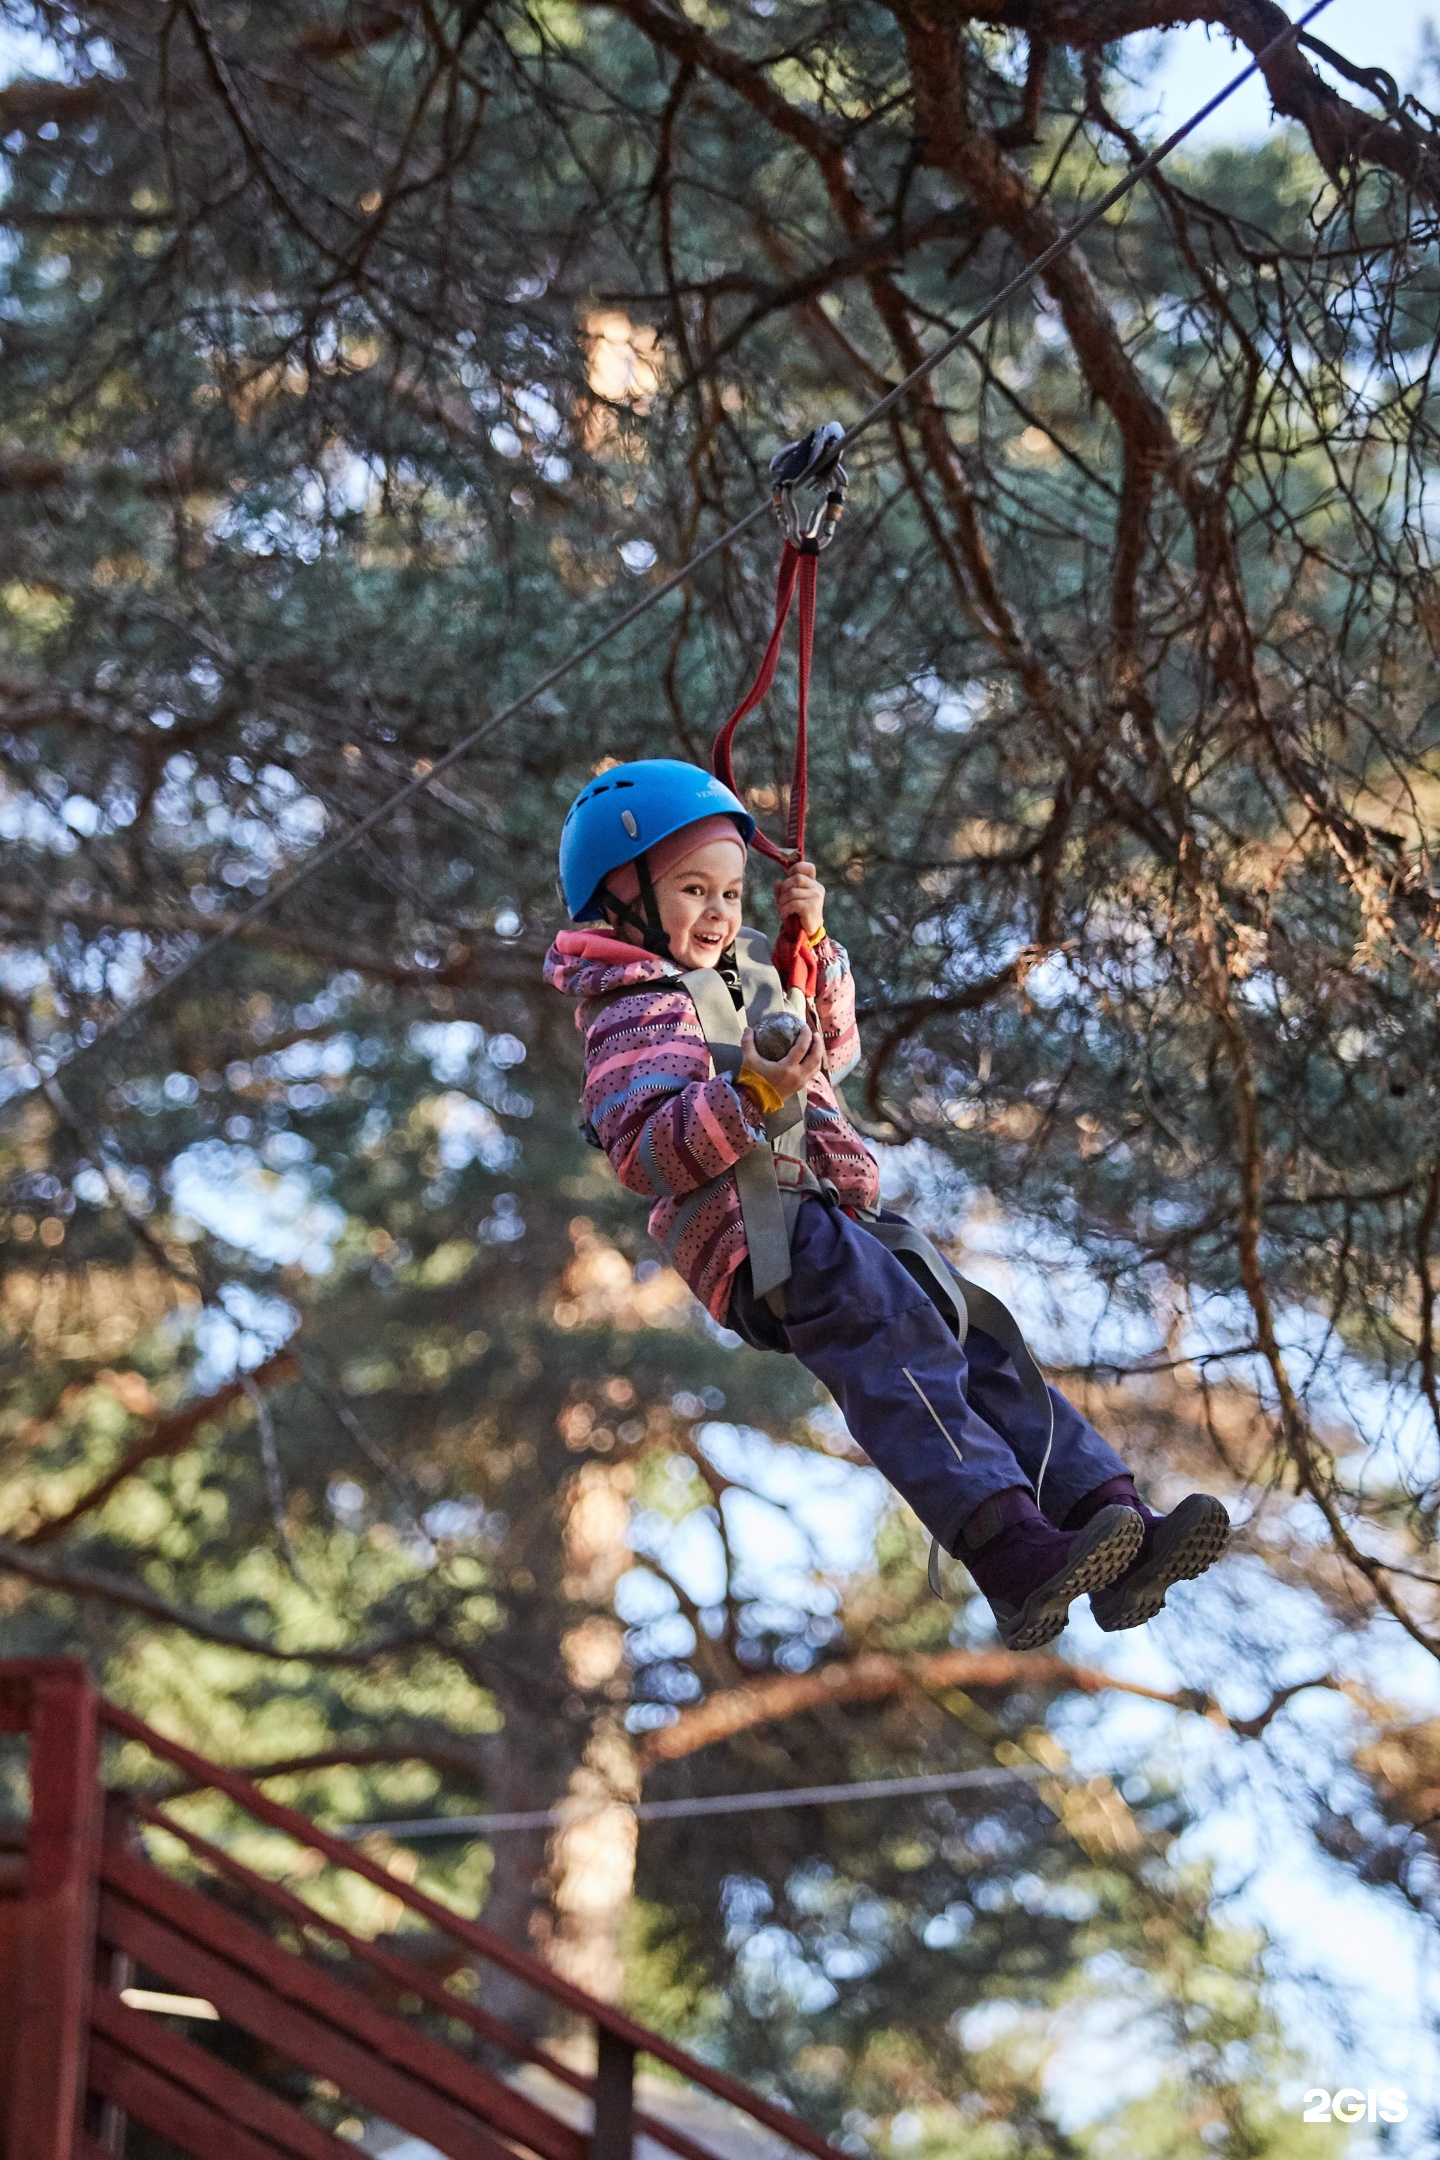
column 629, row 809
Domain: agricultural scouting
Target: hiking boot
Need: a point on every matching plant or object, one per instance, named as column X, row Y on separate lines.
column 1174, row 1548
column 1031, row 1573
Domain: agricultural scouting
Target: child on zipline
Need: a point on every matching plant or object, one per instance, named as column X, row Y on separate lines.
column 653, row 862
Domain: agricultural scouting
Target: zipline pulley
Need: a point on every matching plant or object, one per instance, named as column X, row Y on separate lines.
column 814, row 461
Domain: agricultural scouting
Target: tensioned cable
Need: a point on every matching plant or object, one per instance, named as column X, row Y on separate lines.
column 940, row 1781
column 329, row 850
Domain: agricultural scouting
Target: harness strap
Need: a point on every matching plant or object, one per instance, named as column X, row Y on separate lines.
column 770, row 1176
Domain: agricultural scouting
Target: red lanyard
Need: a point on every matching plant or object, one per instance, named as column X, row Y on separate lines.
column 797, row 565
column 814, row 461
column 794, row 956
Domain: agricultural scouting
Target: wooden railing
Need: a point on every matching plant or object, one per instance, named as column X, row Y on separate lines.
column 89, row 1911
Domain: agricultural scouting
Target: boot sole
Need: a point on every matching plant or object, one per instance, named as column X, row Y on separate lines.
column 1191, row 1539
column 1104, row 1549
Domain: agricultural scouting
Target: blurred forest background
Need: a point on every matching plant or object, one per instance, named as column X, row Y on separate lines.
column 359, row 362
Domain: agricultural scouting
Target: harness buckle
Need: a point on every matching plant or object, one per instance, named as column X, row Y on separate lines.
column 813, row 461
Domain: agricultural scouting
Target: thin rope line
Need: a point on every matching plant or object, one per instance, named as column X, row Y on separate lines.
column 679, row 1810
column 347, row 839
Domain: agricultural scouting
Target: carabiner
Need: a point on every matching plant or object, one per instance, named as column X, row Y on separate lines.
column 814, row 460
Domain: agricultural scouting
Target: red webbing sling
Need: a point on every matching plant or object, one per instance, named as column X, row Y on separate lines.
column 794, row 956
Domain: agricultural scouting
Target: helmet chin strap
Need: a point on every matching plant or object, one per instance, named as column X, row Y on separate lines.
column 652, row 931
column 649, row 925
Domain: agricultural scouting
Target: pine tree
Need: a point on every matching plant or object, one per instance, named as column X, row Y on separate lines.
column 357, row 369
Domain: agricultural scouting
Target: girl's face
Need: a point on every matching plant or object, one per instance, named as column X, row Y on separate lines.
column 700, row 902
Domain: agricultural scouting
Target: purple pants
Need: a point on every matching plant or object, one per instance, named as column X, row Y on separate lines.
column 858, row 1320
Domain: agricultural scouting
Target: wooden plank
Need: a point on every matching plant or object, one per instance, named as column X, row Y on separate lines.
column 185, row 2118
column 319, row 1992
column 154, row 2042
column 57, row 1933
column 490, row 1946
column 114, row 1972
column 403, row 1974
column 12, row 1917
column 354, row 2065
column 614, row 2134
column 17, row 1687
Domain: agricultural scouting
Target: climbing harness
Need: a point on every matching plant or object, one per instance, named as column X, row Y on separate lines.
column 774, row 1178
column 813, row 462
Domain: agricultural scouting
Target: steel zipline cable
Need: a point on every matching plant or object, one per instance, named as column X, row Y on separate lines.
column 744, row 1803
column 330, row 850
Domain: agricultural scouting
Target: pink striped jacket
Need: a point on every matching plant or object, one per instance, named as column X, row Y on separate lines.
column 671, row 1130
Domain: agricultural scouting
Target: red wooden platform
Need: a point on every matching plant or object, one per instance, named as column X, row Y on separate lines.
column 86, row 1912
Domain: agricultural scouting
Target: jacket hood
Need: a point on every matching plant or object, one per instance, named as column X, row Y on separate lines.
column 587, row 963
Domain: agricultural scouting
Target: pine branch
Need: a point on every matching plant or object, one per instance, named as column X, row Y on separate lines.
column 129, row 1595
column 167, row 1437
column 876, row 1677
